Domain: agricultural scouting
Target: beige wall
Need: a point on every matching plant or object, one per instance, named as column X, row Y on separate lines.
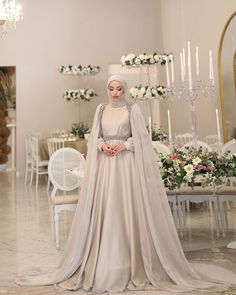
column 99, row 32
column 70, row 32
column 201, row 22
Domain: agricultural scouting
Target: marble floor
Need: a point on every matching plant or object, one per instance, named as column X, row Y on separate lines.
column 26, row 236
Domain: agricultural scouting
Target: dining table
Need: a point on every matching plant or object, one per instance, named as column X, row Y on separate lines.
column 79, row 144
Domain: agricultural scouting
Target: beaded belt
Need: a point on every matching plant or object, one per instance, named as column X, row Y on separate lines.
column 115, row 137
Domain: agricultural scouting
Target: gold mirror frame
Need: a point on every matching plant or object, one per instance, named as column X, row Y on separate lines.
column 221, row 84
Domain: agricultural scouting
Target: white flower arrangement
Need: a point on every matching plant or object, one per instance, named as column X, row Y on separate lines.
column 79, row 70
column 145, row 59
column 79, row 94
column 148, row 92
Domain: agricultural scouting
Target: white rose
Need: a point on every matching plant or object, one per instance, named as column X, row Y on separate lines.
column 133, row 91
column 122, row 60
column 130, row 57
column 148, row 93
column 137, row 61
column 142, row 56
column 143, row 90
column 140, row 94
column 154, row 91
column 189, row 168
column 196, row 161
column 152, row 60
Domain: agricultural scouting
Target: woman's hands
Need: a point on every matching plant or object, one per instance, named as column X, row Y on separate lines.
column 113, row 150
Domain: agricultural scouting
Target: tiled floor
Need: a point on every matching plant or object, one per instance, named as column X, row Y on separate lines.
column 26, row 236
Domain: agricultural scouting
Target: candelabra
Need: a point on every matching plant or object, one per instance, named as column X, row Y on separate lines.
column 191, row 90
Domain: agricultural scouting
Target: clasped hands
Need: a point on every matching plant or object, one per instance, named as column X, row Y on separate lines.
column 113, row 149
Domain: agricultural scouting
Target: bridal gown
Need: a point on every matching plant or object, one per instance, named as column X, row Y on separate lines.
column 123, row 235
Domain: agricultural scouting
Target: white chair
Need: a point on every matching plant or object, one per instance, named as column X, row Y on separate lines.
column 54, row 144
column 160, row 149
column 57, row 133
column 66, row 171
column 39, row 167
column 196, row 195
column 28, row 158
column 199, row 144
column 214, row 143
column 229, row 146
column 183, row 138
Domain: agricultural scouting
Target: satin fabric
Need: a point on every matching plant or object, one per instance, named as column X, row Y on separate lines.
column 123, row 235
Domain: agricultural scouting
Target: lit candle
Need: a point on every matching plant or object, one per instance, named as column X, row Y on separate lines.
column 169, row 127
column 218, row 125
column 150, row 127
column 184, row 63
column 181, row 67
column 189, row 68
column 197, row 64
column 172, row 69
column 167, row 73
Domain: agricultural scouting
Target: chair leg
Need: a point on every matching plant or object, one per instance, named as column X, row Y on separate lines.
column 56, row 223
column 26, row 173
column 31, row 176
column 48, row 185
column 37, row 179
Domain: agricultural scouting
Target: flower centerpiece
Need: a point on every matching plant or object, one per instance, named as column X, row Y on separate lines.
column 79, row 70
column 79, row 94
column 191, row 167
column 148, row 92
column 145, row 59
column 80, row 129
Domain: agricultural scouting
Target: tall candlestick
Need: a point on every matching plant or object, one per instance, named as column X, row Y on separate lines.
column 150, row 127
column 181, row 66
column 218, row 125
column 172, row 69
column 167, row 73
column 197, row 64
column 184, row 63
column 169, row 127
column 189, row 68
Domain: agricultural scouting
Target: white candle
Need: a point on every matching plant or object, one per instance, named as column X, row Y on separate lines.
column 218, row 125
column 167, row 73
column 197, row 64
column 181, row 66
column 169, row 127
column 189, row 68
column 150, row 127
column 184, row 63
column 172, row 69
column 211, row 71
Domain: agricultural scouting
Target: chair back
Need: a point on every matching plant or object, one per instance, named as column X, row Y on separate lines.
column 54, row 144
column 35, row 149
column 199, row 145
column 28, row 151
column 183, row 138
column 230, row 146
column 161, row 148
column 57, row 133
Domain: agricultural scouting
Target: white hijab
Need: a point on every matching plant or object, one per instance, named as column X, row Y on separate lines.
column 122, row 101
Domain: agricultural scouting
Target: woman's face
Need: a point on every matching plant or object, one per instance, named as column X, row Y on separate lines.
column 116, row 90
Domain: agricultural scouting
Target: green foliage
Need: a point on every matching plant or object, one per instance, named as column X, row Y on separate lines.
column 79, row 129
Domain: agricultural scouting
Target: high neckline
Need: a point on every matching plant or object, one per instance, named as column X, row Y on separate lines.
column 117, row 104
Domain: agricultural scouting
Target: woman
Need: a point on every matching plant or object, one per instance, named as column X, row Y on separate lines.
column 123, row 235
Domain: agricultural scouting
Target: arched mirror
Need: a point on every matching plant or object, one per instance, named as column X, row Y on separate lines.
column 227, row 77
